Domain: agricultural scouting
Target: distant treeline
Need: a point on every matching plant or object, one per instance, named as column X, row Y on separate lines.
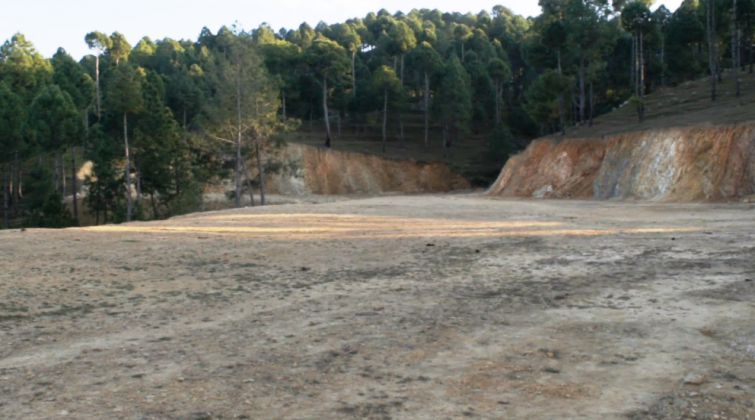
column 163, row 118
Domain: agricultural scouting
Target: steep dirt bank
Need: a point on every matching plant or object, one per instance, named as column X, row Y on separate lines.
column 682, row 164
column 313, row 170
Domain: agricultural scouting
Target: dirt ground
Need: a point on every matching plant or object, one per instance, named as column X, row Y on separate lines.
column 422, row 307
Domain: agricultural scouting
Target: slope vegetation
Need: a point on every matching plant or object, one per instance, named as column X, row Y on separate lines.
column 466, row 157
column 686, row 105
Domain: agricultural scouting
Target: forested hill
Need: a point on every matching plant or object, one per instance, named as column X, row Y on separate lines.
column 162, row 119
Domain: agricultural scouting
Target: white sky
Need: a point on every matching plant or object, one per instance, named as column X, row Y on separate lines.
column 50, row 24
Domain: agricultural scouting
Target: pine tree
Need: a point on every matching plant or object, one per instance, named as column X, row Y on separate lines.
column 428, row 61
column 455, row 101
column 98, row 43
column 327, row 61
column 72, row 79
column 387, row 83
column 12, row 118
column 55, row 123
column 124, row 97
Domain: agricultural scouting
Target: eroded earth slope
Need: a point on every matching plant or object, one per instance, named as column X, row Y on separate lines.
column 675, row 164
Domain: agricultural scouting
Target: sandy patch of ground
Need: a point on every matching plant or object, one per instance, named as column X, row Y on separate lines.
column 426, row 307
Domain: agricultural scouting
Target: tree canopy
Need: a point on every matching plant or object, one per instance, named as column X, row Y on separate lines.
column 194, row 109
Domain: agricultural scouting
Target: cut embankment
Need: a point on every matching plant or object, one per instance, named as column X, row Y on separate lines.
column 682, row 164
column 312, row 170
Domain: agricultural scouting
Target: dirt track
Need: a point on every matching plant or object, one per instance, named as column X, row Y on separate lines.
column 519, row 309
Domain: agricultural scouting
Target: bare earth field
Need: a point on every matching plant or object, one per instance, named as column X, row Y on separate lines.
column 423, row 307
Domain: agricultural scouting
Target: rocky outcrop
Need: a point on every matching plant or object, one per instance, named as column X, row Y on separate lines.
column 684, row 164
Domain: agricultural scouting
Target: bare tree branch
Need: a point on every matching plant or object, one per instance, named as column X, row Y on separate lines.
column 221, row 139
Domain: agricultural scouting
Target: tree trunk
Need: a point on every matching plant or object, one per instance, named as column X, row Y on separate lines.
column 325, row 110
column 248, row 184
column 74, row 187
column 87, row 146
column 402, row 69
column 311, row 114
column 354, row 73
column 385, row 117
column 97, row 77
column 16, row 180
column 749, row 41
column 663, row 61
column 154, row 205
column 445, row 133
column 427, row 109
column 633, row 66
column 636, row 63
column 573, row 113
column 497, row 103
column 63, row 175
column 239, row 162
column 176, row 178
column 339, row 124
column 6, row 197
column 261, row 171
column 735, row 47
column 127, row 169
column 741, row 48
column 401, row 131
column 283, row 99
column 561, row 117
column 417, row 83
column 642, row 77
column 711, row 49
column 592, row 103
column 57, row 171
column 138, row 178
column 582, row 89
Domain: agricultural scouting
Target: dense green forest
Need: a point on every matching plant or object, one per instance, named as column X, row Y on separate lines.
column 162, row 119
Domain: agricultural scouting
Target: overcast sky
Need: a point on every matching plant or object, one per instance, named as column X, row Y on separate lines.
column 50, row 24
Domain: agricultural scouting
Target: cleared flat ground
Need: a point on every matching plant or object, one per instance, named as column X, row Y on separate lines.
column 423, row 307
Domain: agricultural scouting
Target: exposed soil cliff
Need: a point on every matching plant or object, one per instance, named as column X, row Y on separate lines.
column 683, row 164
column 312, row 170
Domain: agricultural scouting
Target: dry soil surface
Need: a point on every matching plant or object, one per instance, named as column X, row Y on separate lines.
column 425, row 307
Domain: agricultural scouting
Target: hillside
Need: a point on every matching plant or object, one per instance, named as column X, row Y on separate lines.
column 688, row 149
column 683, row 106
column 466, row 157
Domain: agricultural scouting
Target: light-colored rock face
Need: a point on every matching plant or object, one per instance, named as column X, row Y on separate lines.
column 312, row 170
column 688, row 164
